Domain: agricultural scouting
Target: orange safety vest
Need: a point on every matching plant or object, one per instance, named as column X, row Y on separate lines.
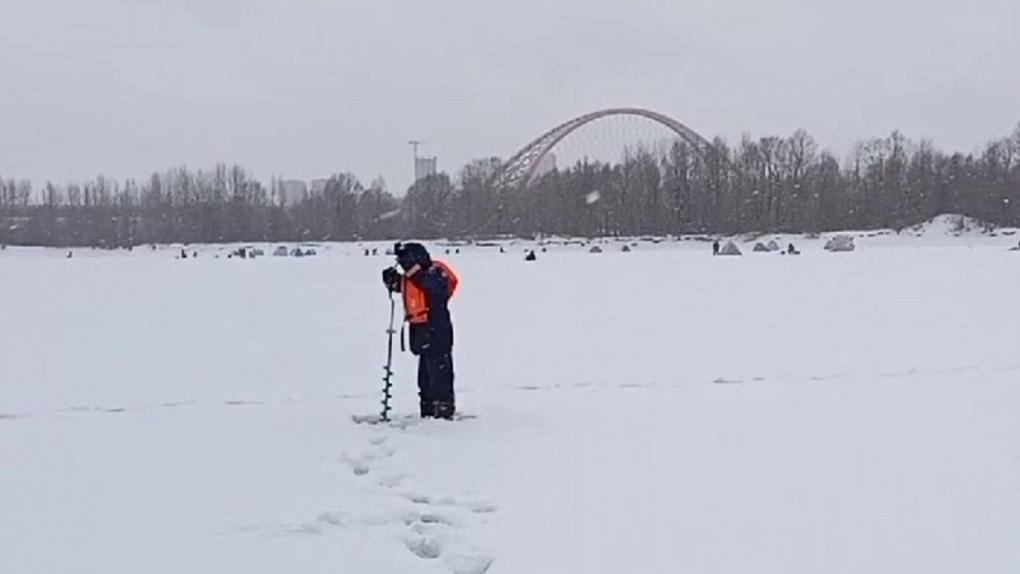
column 416, row 307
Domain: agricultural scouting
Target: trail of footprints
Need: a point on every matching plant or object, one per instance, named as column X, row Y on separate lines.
column 435, row 528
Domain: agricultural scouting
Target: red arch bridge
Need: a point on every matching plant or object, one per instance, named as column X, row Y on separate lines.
column 523, row 167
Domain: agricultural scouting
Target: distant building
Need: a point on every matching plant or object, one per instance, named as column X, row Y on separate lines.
column 483, row 168
column 547, row 165
column 292, row 191
column 319, row 185
column 424, row 167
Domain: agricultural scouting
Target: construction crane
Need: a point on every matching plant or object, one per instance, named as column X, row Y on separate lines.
column 414, row 146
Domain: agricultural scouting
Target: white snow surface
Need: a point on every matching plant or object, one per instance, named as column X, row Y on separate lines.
column 660, row 410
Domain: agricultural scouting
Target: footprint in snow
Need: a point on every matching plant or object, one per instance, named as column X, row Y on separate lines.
column 474, row 505
column 392, row 480
column 332, row 518
column 424, row 547
column 898, row 374
column 361, row 464
column 311, row 527
column 426, row 518
column 431, row 537
column 417, row 498
column 381, row 451
column 638, row 385
column 304, row 529
column 358, row 466
column 482, row 508
column 238, row 403
column 469, row 564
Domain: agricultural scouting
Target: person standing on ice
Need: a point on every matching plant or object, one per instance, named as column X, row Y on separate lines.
column 426, row 287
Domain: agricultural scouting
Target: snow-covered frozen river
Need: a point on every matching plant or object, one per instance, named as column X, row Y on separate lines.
column 660, row 410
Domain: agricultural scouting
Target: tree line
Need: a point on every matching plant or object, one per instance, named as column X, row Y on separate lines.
column 769, row 184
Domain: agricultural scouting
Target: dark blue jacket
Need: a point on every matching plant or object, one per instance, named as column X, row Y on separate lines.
column 436, row 335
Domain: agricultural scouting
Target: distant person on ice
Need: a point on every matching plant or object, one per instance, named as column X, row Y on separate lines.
column 426, row 287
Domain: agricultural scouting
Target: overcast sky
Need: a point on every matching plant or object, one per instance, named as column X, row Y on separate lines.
column 304, row 88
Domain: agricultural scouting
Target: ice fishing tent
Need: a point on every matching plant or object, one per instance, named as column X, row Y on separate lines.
column 773, row 246
column 730, row 249
column 760, row 248
column 595, row 249
column 840, row 243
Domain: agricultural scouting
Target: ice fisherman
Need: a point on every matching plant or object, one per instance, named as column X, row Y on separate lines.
column 426, row 287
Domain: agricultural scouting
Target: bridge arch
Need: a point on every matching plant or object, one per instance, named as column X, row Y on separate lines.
column 522, row 168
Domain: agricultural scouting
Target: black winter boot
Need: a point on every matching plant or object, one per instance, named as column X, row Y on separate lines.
column 427, row 409
column 445, row 410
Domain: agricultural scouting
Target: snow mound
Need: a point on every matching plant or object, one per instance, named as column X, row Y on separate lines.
column 954, row 225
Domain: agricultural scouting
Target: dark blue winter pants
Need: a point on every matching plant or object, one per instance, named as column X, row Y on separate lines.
column 435, row 377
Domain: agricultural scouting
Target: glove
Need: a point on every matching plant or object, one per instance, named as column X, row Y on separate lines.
column 391, row 279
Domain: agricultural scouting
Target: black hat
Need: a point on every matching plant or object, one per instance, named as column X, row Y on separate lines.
column 411, row 254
